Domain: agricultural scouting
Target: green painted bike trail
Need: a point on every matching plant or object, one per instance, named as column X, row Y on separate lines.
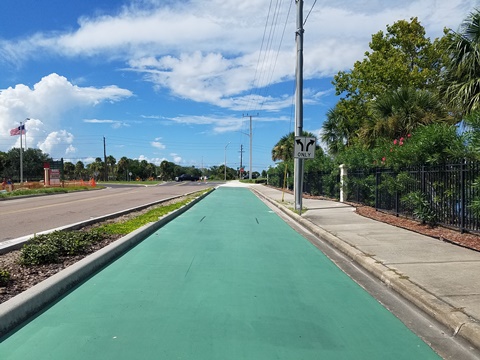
column 229, row 280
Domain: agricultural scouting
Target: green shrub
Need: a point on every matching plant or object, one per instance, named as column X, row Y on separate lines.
column 47, row 248
column 4, row 277
column 39, row 253
column 418, row 204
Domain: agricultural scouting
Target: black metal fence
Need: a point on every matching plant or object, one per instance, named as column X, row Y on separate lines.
column 442, row 194
column 445, row 194
column 318, row 183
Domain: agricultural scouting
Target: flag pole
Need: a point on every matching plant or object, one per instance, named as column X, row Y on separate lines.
column 26, row 147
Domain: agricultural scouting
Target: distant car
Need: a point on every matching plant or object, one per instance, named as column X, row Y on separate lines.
column 186, row 177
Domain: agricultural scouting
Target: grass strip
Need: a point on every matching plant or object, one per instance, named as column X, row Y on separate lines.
column 23, row 192
column 127, row 226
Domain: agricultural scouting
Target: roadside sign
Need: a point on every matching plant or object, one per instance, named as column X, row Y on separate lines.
column 304, row 147
column 54, row 176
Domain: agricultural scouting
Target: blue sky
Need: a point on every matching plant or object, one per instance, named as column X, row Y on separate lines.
column 173, row 80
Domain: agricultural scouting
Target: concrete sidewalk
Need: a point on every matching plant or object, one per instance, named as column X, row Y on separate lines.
column 440, row 278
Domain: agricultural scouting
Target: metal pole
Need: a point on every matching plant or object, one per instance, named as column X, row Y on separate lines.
column 225, row 163
column 251, row 136
column 250, row 172
column 26, row 147
column 21, row 154
column 298, row 163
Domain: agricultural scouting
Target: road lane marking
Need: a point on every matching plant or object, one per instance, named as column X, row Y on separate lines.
column 54, row 205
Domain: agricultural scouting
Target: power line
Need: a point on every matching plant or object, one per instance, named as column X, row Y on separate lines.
column 264, row 72
column 306, row 18
column 259, row 55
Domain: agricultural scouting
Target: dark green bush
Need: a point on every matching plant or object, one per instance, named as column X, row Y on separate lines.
column 47, row 248
column 418, row 204
column 4, row 277
column 38, row 253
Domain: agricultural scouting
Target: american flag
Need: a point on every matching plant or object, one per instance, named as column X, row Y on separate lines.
column 18, row 130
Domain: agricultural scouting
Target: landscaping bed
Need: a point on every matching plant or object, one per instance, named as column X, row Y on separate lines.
column 16, row 277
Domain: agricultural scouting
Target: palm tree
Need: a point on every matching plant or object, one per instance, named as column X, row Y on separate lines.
column 167, row 170
column 343, row 123
column 284, row 148
column 398, row 113
column 111, row 161
column 336, row 133
column 122, row 167
column 462, row 73
column 79, row 170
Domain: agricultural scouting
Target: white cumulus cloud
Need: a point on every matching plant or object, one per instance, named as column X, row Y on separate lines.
column 46, row 103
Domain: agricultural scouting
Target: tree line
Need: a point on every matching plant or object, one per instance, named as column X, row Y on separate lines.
column 409, row 101
column 125, row 169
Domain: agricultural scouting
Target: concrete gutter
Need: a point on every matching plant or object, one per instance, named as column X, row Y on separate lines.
column 460, row 323
column 20, row 308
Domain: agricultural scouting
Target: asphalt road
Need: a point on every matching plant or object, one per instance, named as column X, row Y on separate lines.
column 25, row 216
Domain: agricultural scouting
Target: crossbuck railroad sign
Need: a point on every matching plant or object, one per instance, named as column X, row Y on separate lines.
column 304, row 147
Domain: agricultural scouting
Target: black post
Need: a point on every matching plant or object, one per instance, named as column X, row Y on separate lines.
column 397, row 195
column 462, row 197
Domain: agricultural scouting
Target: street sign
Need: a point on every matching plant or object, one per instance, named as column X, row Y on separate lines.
column 304, row 147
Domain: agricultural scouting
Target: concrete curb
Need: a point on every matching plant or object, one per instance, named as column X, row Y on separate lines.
column 17, row 243
column 460, row 323
column 23, row 306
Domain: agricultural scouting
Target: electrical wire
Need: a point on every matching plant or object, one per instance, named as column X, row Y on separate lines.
column 306, row 18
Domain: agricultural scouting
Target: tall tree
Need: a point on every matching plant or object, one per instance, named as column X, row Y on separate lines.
column 283, row 149
column 122, row 168
column 398, row 113
column 341, row 126
column 32, row 163
column 4, row 164
column 96, row 168
column 111, row 161
column 167, row 170
column 403, row 57
column 462, row 74
column 68, row 170
column 80, row 172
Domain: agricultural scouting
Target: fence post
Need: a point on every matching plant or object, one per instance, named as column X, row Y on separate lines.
column 377, row 182
column 343, row 175
column 397, row 195
column 462, row 197
column 423, row 181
